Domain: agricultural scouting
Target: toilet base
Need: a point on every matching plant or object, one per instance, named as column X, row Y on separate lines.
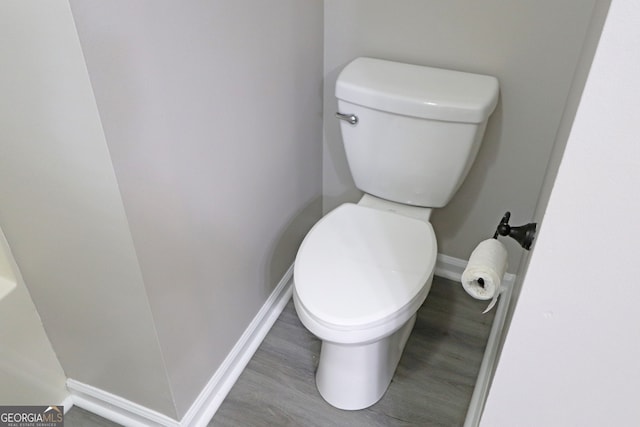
column 355, row 377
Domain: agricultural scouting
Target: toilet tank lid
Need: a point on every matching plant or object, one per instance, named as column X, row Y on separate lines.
column 418, row 91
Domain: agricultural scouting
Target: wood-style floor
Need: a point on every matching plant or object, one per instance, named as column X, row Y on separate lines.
column 431, row 387
column 78, row 417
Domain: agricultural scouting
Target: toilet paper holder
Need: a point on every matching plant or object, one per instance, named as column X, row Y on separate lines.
column 523, row 234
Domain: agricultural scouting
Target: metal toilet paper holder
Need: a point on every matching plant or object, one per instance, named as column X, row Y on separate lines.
column 523, row 234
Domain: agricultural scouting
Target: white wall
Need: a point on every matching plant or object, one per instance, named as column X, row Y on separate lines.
column 30, row 373
column 212, row 115
column 163, row 240
column 573, row 100
column 62, row 214
column 148, row 252
column 571, row 354
column 533, row 47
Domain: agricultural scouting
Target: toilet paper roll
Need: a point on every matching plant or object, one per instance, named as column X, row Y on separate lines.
column 483, row 276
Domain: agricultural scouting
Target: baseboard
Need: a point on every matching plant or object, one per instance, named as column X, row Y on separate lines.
column 451, row 268
column 67, row 403
column 209, row 400
column 485, row 374
column 116, row 408
column 127, row 413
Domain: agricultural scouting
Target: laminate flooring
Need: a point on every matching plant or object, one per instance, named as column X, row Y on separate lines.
column 78, row 417
column 432, row 385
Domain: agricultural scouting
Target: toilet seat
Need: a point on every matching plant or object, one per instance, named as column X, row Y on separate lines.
column 360, row 267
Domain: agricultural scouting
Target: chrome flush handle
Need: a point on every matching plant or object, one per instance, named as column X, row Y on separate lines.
column 351, row 118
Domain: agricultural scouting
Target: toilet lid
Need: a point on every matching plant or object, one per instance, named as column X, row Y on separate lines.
column 359, row 265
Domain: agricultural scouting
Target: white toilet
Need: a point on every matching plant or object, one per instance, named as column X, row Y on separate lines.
column 411, row 134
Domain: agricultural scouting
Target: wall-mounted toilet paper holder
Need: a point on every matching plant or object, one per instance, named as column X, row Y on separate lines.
column 523, row 234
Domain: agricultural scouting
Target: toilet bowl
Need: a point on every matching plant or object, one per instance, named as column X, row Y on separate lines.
column 360, row 276
column 411, row 134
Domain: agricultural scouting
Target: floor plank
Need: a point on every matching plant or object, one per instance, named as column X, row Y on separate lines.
column 78, row 417
column 431, row 387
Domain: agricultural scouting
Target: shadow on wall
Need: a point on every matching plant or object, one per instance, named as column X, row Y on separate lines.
column 449, row 222
column 335, row 154
column 286, row 246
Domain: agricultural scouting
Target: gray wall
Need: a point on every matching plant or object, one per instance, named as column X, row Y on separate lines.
column 63, row 216
column 151, row 229
column 532, row 47
column 573, row 100
column 212, row 115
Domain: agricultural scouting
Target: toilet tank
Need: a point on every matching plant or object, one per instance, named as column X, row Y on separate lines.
column 418, row 128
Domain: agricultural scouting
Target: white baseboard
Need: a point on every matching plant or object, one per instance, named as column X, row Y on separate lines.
column 130, row 414
column 485, row 374
column 116, row 408
column 209, row 400
column 451, row 268
column 67, row 403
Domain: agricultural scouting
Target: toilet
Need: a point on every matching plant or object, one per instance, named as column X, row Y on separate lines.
column 411, row 134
